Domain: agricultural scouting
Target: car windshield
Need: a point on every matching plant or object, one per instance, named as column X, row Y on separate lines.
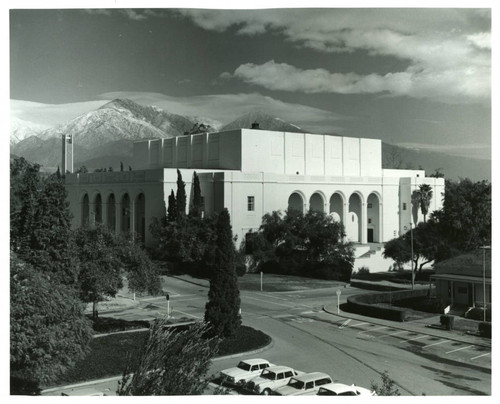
column 266, row 374
column 297, row 384
column 244, row 366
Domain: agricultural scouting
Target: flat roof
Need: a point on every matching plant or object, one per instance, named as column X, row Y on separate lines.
column 463, row 278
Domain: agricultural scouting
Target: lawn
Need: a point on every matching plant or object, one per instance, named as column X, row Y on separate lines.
column 110, row 354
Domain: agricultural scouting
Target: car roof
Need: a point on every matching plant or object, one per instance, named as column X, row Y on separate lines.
column 254, row 361
column 310, row 376
column 279, row 368
column 339, row 387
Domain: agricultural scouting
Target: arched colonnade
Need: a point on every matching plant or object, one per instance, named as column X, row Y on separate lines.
column 361, row 215
column 123, row 213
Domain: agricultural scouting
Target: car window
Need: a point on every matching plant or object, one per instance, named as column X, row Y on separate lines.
column 320, row 382
column 296, row 384
column 264, row 365
column 348, row 393
column 288, row 373
column 266, row 374
column 254, row 367
column 281, row 376
column 244, row 366
column 326, row 392
column 309, row 385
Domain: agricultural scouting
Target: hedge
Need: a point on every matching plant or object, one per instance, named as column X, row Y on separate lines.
column 484, row 329
column 366, row 304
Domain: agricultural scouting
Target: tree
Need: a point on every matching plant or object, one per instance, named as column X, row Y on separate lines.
column 223, row 306
column 41, row 221
column 423, row 197
column 142, row 273
column 310, row 245
column 48, row 331
column 196, row 206
column 180, row 196
column 171, row 362
column 388, row 387
column 99, row 265
column 465, row 219
column 172, row 207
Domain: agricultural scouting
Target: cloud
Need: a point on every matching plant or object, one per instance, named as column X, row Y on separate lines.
column 448, row 50
column 451, row 86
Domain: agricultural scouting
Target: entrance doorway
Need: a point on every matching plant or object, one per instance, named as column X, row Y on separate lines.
column 370, row 235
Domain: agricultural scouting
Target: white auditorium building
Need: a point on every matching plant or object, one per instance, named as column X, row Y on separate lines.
column 252, row 172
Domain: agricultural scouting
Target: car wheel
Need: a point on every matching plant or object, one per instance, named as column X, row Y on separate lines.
column 266, row 392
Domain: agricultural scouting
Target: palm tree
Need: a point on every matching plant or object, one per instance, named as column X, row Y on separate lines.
column 424, row 193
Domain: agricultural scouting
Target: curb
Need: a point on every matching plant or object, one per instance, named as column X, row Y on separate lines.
column 236, row 355
column 371, row 320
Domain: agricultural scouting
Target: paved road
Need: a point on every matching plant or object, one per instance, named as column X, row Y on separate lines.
column 352, row 349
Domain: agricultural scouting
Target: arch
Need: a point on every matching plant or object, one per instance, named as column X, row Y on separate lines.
column 337, row 206
column 354, row 220
column 317, row 202
column 98, row 208
column 140, row 217
column 125, row 213
column 373, row 216
column 111, row 211
column 85, row 210
column 296, row 202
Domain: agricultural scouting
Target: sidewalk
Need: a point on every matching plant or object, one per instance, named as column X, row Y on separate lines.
column 422, row 326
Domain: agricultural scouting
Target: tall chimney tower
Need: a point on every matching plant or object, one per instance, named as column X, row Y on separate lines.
column 67, row 154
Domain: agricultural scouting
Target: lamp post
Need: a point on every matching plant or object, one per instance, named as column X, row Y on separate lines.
column 484, row 248
column 412, row 273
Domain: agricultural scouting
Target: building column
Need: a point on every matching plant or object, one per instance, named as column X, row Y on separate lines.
column 118, row 217
column 132, row 215
column 364, row 223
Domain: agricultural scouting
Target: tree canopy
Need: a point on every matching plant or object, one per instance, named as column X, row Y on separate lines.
column 48, row 331
column 310, row 245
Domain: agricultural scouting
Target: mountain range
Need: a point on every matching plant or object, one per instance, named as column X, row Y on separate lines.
column 104, row 138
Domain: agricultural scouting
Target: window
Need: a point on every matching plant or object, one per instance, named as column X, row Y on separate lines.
column 369, row 220
column 281, row 376
column 264, row 365
column 288, row 373
column 369, row 205
column 309, row 385
column 404, row 205
column 320, row 382
column 250, row 203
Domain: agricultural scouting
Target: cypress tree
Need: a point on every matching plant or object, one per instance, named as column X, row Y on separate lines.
column 195, row 208
column 181, row 196
column 223, row 306
column 172, row 208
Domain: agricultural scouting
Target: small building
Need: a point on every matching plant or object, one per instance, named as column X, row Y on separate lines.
column 465, row 280
column 252, row 172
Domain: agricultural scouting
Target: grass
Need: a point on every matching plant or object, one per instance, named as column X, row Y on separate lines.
column 110, row 354
column 283, row 283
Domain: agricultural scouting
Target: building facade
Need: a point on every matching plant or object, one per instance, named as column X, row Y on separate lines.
column 252, row 172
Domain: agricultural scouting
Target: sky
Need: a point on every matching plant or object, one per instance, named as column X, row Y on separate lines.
column 415, row 77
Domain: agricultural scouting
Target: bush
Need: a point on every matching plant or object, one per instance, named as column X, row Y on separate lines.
column 477, row 313
column 361, row 273
column 103, row 325
column 484, row 329
column 447, row 321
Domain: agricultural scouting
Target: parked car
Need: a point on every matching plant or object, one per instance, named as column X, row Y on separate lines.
column 307, row 384
column 270, row 379
column 340, row 389
column 246, row 370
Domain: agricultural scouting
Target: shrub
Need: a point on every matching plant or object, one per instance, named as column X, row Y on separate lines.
column 361, row 273
column 484, row 329
column 477, row 313
column 447, row 321
column 387, row 388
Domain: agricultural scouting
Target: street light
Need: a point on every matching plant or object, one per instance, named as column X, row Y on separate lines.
column 484, row 248
column 412, row 273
